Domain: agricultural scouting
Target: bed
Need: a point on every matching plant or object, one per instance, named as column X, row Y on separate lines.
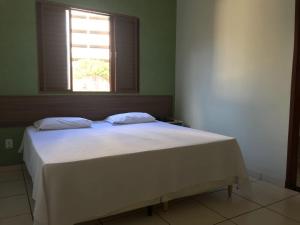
column 84, row 174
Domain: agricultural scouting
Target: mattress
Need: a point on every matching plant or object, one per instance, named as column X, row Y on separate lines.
column 84, row 174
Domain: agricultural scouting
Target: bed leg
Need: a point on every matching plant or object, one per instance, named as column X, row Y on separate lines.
column 150, row 210
column 166, row 206
column 229, row 190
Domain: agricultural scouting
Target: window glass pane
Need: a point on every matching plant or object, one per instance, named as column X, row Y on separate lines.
column 90, row 51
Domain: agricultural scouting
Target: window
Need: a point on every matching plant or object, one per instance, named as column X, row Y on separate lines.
column 90, row 50
column 86, row 51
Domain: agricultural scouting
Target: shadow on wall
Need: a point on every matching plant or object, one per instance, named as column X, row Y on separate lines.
column 195, row 35
column 233, row 75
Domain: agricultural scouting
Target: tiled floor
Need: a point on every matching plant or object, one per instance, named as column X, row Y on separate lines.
column 258, row 204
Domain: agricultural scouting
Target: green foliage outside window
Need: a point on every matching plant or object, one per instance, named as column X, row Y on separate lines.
column 93, row 68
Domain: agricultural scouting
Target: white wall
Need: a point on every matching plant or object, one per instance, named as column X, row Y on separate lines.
column 233, row 75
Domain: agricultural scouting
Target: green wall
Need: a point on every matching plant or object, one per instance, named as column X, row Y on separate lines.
column 18, row 50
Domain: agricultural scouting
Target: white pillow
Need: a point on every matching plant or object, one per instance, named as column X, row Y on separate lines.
column 130, row 118
column 60, row 123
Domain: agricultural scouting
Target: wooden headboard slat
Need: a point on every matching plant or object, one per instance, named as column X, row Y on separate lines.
column 24, row 110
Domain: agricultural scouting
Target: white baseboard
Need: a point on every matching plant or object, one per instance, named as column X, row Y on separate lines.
column 263, row 177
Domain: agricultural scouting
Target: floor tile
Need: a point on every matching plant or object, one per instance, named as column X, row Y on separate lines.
column 29, row 187
column 12, row 188
column 32, row 203
column 226, row 223
column 27, row 176
column 139, row 218
column 289, row 207
column 264, row 193
column 94, row 222
column 14, row 206
column 18, row 220
column 11, row 176
column 28, row 181
column 123, row 215
column 190, row 213
column 227, row 207
column 263, row 217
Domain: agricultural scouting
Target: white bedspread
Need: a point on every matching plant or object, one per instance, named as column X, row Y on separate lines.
column 89, row 173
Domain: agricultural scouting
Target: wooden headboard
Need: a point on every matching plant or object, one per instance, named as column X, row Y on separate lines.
column 24, row 110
